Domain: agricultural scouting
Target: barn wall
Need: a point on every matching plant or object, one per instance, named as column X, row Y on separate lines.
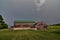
column 23, row 24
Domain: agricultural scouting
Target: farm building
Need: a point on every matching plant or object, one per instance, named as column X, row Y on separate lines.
column 23, row 23
column 41, row 25
column 29, row 24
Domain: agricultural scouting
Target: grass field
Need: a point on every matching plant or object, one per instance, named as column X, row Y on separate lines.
column 51, row 34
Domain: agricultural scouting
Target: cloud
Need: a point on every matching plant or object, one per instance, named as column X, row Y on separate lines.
column 39, row 3
column 25, row 9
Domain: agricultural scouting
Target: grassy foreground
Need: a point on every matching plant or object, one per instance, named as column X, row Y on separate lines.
column 51, row 34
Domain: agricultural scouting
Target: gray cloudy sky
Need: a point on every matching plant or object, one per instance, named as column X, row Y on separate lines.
column 27, row 9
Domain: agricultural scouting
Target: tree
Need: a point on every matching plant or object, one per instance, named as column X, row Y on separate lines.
column 2, row 23
column 1, row 18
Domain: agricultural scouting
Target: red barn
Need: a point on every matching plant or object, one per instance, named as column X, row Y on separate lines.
column 29, row 24
column 23, row 23
column 41, row 25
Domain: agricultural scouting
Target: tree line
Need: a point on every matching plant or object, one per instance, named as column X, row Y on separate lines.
column 58, row 24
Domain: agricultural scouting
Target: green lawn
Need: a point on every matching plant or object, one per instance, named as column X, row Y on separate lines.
column 50, row 34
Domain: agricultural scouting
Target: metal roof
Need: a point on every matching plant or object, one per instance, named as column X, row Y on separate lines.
column 24, row 21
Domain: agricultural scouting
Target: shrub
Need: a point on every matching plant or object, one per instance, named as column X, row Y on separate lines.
column 4, row 26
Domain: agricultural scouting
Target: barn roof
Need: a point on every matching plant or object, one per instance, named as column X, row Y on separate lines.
column 24, row 21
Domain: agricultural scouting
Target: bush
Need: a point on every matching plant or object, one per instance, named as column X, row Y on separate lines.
column 3, row 26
